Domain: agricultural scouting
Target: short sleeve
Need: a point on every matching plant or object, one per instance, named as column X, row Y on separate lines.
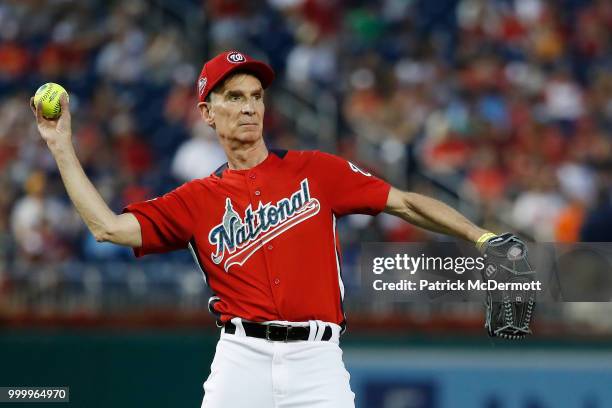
column 349, row 189
column 167, row 222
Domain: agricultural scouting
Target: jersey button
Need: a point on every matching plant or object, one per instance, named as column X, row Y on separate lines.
column 257, row 193
column 252, row 176
column 276, row 281
column 270, row 247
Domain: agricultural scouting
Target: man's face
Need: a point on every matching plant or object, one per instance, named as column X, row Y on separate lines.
column 237, row 110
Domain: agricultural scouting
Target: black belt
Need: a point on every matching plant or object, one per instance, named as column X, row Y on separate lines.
column 276, row 332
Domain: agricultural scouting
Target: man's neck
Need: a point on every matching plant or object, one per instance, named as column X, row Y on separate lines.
column 242, row 157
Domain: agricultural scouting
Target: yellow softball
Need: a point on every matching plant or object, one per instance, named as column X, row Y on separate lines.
column 49, row 95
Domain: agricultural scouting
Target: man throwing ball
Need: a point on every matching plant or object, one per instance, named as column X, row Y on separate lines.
column 262, row 228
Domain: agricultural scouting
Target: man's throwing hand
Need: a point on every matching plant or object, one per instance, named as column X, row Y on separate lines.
column 56, row 132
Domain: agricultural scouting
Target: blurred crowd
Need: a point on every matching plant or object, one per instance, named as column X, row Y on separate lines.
column 510, row 102
column 507, row 101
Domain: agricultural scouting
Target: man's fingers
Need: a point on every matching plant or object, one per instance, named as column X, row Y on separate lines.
column 65, row 104
column 32, row 106
column 39, row 116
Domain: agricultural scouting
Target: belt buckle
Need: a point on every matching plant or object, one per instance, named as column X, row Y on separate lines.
column 272, row 330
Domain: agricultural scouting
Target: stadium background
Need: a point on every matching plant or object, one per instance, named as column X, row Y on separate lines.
column 501, row 108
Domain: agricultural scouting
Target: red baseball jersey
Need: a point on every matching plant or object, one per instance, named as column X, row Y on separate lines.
column 265, row 238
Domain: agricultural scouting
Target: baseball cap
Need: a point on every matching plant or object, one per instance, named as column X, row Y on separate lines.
column 215, row 70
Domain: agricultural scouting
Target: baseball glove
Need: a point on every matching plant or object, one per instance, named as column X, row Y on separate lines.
column 508, row 312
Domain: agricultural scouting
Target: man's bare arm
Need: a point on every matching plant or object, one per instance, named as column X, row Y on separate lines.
column 103, row 223
column 432, row 215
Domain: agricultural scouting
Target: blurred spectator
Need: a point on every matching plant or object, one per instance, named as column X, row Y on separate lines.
column 578, row 184
column 163, row 56
column 39, row 222
column 536, row 209
column 14, row 59
column 135, row 156
column 122, row 58
column 312, row 61
column 564, row 101
column 569, row 222
column 199, row 156
column 485, row 179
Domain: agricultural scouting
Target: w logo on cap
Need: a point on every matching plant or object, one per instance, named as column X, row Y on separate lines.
column 235, row 57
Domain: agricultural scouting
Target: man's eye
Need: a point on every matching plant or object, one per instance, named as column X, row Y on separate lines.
column 234, row 98
column 257, row 97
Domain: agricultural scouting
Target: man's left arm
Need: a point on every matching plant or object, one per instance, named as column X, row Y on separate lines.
column 432, row 215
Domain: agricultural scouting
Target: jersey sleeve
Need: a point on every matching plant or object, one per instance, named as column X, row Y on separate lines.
column 167, row 223
column 349, row 189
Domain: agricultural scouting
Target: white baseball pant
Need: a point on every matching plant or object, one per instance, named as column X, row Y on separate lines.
column 250, row 372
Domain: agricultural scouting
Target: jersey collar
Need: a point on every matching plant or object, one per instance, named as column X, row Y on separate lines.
column 274, row 155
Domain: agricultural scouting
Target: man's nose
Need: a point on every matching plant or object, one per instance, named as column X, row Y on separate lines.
column 248, row 108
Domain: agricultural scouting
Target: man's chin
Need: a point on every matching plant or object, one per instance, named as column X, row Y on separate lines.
column 248, row 136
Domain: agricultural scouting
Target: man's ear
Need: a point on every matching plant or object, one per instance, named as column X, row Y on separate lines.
column 208, row 113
